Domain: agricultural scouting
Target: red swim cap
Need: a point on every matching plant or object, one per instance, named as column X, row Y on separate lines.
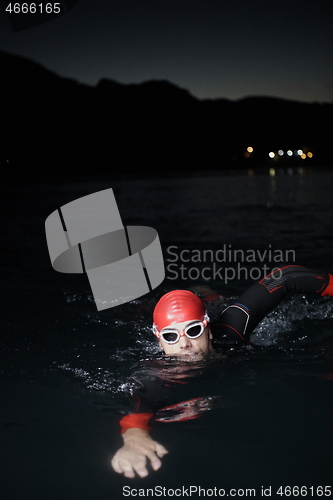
column 178, row 306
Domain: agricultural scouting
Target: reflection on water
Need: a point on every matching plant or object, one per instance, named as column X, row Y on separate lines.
column 187, row 410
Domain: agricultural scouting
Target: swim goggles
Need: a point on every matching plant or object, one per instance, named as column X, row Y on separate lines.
column 192, row 331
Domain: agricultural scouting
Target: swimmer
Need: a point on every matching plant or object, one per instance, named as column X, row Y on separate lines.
column 183, row 328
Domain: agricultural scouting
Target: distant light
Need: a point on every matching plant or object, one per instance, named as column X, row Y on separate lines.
column 289, row 152
column 300, row 152
column 271, row 154
column 310, row 155
column 281, row 153
column 249, row 149
column 272, row 172
column 303, row 156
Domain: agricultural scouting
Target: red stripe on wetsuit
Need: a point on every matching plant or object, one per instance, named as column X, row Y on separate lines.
column 329, row 289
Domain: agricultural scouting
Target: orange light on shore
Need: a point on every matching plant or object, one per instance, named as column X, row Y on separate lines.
column 249, row 149
column 310, row 155
column 303, row 156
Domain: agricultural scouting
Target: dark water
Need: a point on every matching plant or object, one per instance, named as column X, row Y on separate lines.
column 65, row 367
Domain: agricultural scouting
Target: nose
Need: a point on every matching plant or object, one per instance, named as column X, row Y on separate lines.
column 184, row 341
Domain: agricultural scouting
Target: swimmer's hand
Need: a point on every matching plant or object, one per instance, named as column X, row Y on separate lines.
column 132, row 457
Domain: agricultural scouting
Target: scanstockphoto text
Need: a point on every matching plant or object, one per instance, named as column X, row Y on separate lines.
column 198, row 491
column 226, row 263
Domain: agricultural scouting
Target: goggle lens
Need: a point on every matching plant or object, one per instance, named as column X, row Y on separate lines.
column 170, row 337
column 194, row 331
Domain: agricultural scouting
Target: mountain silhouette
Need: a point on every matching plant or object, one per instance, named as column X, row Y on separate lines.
column 55, row 126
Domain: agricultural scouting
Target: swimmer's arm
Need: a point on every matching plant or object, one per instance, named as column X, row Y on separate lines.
column 133, row 456
column 240, row 319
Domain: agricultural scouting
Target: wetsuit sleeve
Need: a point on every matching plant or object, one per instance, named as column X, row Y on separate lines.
column 138, row 420
column 237, row 321
column 146, row 398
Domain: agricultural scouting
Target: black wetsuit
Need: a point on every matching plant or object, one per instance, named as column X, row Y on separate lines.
column 234, row 325
column 237, row 321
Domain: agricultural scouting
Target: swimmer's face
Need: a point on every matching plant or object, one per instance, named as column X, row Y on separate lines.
column 190, row 348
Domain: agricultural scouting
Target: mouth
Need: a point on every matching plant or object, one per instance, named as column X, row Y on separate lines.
column 190, row 354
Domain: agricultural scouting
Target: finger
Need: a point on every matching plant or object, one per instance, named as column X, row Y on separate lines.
column 139, row 465
column 160, row 450
column 127, row 469
column 154, row 460
column 129, row 473
column 115, row 465
column 122, row 467
column 141, row 469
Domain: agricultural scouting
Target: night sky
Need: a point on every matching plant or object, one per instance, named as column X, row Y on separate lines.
column 213, row 48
